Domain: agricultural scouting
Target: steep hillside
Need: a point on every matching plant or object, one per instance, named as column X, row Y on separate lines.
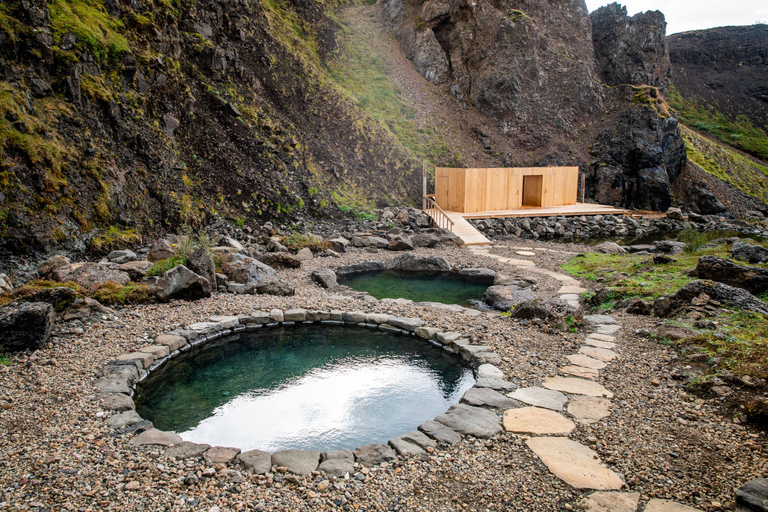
column 721, row 84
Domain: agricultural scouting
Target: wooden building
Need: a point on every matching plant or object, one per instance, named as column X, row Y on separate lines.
column 484, row 190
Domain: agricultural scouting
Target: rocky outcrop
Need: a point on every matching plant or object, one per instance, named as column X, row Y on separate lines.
column 90, row 275
column 502, row 58
column 705, row 291
column 749, row 252
column 181, row 283
column 410, row 263
column 752, row 279
column 631, row 50
column 25, row 325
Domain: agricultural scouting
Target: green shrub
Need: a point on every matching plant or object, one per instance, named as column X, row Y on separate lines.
column 694, row 239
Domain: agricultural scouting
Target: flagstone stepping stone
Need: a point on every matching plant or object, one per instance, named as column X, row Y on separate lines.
column 440, row 432
column 589, row 409
column 576, row 386
column 571, row 289
column 601, row 337
column 525, row 253
column 497, row 384
column 540, row 397
column 484, row 397
column 599, row 343
column 657, row 505
column 599, row 353
column 580, row 371
column 569, row 296
column 473, row 421
column 599, row 319
column 607, row 329
column 602, row 501
column 489, row 371
column 586, row 361
column 518, row 263
column 537, row 421
column 574, row 463
column 411, row 443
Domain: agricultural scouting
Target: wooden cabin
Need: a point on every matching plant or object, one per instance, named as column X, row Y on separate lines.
column 507, row 188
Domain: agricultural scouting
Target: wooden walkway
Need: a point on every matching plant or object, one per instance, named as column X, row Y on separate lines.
column 471, row 236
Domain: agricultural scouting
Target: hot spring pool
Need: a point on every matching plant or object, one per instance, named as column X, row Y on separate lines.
column 302, row 387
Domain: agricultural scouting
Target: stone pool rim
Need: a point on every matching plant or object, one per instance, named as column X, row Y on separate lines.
column 117, row 380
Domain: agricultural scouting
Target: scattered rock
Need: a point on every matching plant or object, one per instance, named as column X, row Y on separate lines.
column 221, row 455
column 181, row 283
column 244, row 269
column 201, row 263
column 325, row 277
column 136, row 270
column 280, row 260
column 161, row 250
column 610, row 248
column 45, row 270
column 505, row 298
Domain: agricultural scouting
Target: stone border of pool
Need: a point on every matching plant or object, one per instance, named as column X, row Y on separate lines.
column 472, row 416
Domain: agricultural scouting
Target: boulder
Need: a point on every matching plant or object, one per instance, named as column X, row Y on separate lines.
column 483, row 275
column 469, row 420
column 754, row 494
column 5, row 284
column 411, row 263
column 161, row 250
column 337, row 467
column 299, row 462
column 751, row 253
column 136, row 270
column 25, row 325
column 256, row 461
column 82, row 309
column 358, row 268
column 640, row 307
column 201, row 263
column 400, row 242
column 90, row 275
column 45, row 270
column 424, row 240
column 274, row 245
column 279, row 260
column 244, row 269
column 737, row 298
column 273, row 286
column 675, row 214
column 305, row 254
column 554, row 310
column 610, row 248
column 325, row 277
column 370, row 241
column 752, row 279
column 121, row 256
column 440, row 432
column 227, row 241
column 338, row 244
column 505, row 298
column 181, row 283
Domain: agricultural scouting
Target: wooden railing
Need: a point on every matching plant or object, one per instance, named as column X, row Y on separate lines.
column 438, row 216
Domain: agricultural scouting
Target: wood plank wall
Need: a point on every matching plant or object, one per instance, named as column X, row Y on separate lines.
column 480, row 190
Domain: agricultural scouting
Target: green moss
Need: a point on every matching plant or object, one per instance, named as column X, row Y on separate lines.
column 115, row 238
column 516, row 16
column 738, row 132
column 95, row 30
column 38, row 285
column 297, row 241
column 111, row 293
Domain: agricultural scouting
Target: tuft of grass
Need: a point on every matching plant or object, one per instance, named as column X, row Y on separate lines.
column 298, row 241
column 111, row 293
column 739, row 132
column 163, row 266
column 5, row 360
column 114, row 238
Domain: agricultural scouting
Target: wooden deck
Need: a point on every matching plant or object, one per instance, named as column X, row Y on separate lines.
column 549, row 211
column 471, row 236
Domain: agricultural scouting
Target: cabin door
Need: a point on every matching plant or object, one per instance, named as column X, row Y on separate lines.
column 441, row 193
column 532, row 190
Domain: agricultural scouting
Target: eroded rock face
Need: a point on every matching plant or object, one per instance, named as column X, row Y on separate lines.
column 631, row 50
column 501, row 58
column 752, row 279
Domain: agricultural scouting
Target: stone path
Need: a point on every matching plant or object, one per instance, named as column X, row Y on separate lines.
column 585, row 401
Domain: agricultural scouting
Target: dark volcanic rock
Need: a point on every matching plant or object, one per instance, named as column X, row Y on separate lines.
column 746, row 251
column 636, row 159
column 279, row 260
column 752, row 279
column 550, row 310
column 201, row 262
column 505, row 298
column 25, row 325
column 737, row 298
column 411, row 263
column 702, row 200
column 754, row 494
column 630, row 50
column 355, row 268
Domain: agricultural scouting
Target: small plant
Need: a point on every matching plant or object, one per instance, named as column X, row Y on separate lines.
column 162, row 266
column 694, row 240
column 240, row 222
column 5, row 360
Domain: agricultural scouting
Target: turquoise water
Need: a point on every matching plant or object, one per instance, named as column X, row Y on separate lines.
column 419, row 287
column 303, row 387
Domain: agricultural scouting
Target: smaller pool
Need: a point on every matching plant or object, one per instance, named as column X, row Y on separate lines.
column 445, row 287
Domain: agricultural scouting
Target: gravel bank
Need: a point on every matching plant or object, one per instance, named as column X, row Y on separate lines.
column 58, row 454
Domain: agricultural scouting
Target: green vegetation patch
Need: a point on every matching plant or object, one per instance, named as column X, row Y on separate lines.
column 739, row 132
column 95, row 30
column 162, row 266
column 33, row 288
column 731, row 167
column 115, row 238
column 298, row 241
column 111, row 293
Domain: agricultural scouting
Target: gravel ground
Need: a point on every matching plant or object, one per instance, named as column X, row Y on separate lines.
column 57, row 453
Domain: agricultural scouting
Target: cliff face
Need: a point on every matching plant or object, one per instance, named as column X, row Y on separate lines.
column 157, row 114
column 726, row 68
